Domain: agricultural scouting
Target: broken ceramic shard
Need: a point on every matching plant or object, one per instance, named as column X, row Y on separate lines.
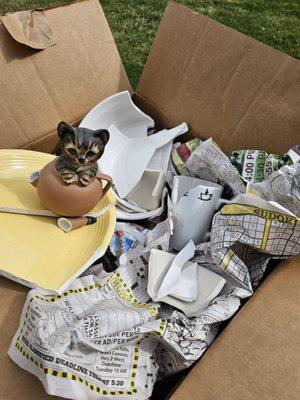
column 125, row 159
column 120, row 111
column 194, row 202
column 147, row 193
column 181, row 282
column 141, row 185
column 209, row 284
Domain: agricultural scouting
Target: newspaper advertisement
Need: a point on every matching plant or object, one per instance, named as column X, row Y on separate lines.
column 180, row 154
column 126, row 237
column 256, row 165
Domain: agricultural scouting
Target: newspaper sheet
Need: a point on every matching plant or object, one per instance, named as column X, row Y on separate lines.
column 210, row 163
column 282, row 186
column 249, row 231
column 256, row 165
column 105, row 338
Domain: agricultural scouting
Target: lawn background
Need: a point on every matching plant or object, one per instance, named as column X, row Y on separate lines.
column 134, row 23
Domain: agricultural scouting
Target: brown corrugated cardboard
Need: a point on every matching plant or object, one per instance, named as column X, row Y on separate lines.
column 30, row 28
column 257, row 355
column 62, row 82
column 222, row 83
column 15, row 383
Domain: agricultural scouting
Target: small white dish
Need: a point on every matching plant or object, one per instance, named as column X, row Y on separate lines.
column 126, row 213
column 126, row 205
column 209, row 284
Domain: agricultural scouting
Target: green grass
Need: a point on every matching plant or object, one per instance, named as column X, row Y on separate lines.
column 134, row 23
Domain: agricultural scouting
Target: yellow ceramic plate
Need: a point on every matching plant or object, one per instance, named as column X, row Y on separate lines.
column 33, row 250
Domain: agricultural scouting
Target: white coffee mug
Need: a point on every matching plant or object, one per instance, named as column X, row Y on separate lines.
column 194, row 202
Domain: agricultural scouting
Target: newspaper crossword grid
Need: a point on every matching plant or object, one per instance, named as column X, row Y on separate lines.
column 282, row 238
column 255, row 262
column 243, row 243
column 279, row 237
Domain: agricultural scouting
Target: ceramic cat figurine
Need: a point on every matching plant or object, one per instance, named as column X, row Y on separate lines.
column 81, row 148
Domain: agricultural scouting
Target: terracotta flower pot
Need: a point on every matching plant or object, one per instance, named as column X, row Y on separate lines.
column 71, row 200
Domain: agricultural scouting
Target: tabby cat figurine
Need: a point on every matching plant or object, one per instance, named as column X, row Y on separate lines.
column 81, row 148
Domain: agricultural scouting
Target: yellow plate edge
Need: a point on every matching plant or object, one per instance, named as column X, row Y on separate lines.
column 99, row 251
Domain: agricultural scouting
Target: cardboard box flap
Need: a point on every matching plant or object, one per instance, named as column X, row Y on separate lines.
column 222, row 83
column 62, row 82
column 257, row 355
column 30, row 28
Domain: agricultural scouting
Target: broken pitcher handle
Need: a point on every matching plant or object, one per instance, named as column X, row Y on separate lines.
column 221, row 202
column 103, row 177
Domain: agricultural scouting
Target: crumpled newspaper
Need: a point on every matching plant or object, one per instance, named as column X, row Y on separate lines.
column 97, row 339
column 210, row 163
column 105, row 337
column 282, row 186
column 247, row 233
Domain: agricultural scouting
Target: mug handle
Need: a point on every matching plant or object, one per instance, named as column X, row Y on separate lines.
column 221, row 203
column 207, row 237
column 103, row 177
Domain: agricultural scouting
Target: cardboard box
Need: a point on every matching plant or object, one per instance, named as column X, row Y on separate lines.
column 223, row 84
column 39, row 88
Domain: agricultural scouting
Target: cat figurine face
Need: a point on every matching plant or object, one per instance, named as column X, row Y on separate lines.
column 81, row 148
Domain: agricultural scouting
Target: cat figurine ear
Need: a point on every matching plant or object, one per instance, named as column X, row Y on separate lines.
column 64, row 129
column 103, row 135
